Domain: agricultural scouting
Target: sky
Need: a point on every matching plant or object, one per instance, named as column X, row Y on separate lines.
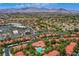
column 68, row 6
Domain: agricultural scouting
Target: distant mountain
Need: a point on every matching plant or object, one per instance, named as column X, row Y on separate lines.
column 29, row 10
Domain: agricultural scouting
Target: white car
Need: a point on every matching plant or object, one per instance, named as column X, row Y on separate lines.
column 15, row 31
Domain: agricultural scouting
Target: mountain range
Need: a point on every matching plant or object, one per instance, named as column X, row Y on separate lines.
column 31, row 10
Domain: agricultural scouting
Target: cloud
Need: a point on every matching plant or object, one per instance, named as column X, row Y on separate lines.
column 26, row 5
column 39, row 5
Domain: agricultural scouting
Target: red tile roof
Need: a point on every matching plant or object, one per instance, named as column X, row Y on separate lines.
column 20, row 54
column 39, row 44
column 77, row 33
column 73, row 35
column 70, row 48
column 20, row 46
column 53, row 53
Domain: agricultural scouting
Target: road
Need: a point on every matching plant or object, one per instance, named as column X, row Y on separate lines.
column 6, row 52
